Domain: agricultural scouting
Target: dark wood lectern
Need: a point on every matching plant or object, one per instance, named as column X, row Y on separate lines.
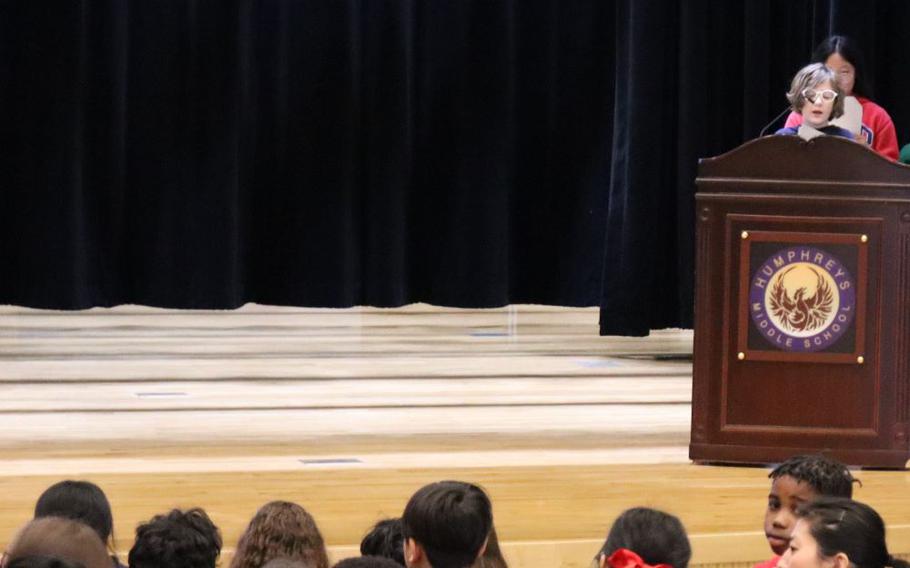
column 802, row 309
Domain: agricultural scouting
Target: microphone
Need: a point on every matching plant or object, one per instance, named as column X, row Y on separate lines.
column 776, row 118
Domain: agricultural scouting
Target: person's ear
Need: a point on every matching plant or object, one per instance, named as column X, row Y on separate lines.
column 841, row 560
column 413, row 552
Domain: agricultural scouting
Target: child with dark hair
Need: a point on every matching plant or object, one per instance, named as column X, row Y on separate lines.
column 834, row 532
column 796, row 482
column 446, row 525
column 644, row 536
column 81, row 501
column 179, row 539
column 385, row 540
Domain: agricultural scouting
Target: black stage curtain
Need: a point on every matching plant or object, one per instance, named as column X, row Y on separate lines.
column 209, row 153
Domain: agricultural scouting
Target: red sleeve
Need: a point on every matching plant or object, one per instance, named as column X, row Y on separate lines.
column 885, row 142
column 795, row 119
column 884, row 137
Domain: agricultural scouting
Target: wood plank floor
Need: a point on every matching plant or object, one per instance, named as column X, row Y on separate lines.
column 349, row 411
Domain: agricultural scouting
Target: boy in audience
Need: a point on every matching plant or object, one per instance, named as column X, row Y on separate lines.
column 446, row 525
column 180, row 539
column 799, row 480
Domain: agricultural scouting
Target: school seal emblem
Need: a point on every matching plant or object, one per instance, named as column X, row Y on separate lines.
column 802, row 299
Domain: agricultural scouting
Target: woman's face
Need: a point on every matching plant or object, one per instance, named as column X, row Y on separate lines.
column 803, row 550
column 846, row 72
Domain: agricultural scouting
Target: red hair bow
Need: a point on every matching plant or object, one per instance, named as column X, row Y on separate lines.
column 625, row 558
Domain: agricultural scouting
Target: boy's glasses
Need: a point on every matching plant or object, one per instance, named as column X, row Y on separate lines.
column 812, row 95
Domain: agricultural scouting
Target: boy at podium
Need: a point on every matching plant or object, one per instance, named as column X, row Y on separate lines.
column 817, row 96
column 797, row 481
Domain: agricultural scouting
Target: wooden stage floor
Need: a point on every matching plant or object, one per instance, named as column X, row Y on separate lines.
column 347, row 412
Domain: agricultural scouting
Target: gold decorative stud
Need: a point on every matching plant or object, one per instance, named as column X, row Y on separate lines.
column 860, row 360
column 864, row 239
column 744, row 235
column 741, row 356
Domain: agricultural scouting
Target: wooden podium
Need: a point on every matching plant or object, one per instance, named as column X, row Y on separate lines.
column 802, row 308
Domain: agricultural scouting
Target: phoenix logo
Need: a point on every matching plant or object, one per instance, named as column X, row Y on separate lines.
column 802, row 298
column 806, row 309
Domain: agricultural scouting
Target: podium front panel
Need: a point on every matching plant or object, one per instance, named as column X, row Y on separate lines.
column 802, row 334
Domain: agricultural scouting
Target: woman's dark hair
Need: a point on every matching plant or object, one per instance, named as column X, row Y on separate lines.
column 658, row 537
column 81, row 501
column 853, row 528
column 849, row 50
column 384, row 540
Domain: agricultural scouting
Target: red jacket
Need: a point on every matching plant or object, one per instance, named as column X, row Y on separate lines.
column 877, row 129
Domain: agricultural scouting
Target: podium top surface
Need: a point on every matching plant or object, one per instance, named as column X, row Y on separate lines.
column 829, row 159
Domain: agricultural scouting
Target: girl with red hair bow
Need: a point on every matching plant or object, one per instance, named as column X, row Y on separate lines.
column 645, row 538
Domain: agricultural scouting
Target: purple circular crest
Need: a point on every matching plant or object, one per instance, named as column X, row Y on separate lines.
column 802, row 299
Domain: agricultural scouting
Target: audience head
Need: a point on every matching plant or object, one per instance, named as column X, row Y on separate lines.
column 834, row 532
column 844, row 57
column 63, row 539
column 445, row 525
column 654, row 536
column 179, row 539
column 384, row 540
column 796, row 482
column 816, row 95
column 367, row 562
column 281, row 529
column 81, row 501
